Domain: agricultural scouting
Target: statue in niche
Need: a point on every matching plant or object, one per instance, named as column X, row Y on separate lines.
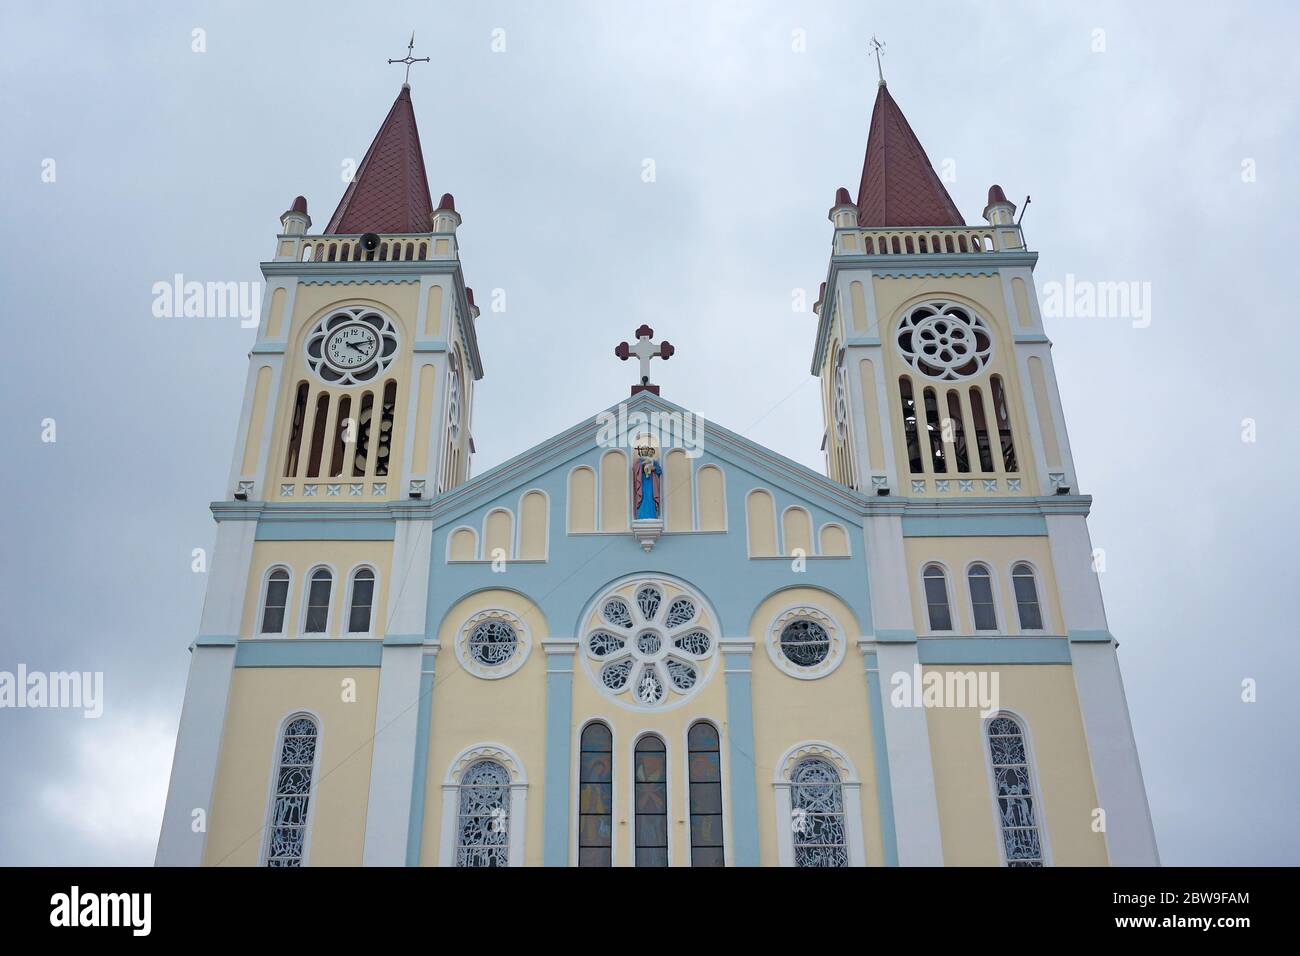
column 647, row 491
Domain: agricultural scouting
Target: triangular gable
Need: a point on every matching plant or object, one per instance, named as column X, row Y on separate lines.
column 727, row 447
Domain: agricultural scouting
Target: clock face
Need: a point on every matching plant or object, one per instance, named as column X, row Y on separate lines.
column 351, row 347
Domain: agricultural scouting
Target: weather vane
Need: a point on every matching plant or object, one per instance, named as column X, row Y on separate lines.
column 408, row 59
column 877, row 48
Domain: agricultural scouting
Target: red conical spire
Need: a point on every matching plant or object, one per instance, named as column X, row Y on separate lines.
column 899, row 186
column 389, row 192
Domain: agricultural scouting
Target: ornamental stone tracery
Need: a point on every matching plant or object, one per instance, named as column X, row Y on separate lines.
column 944, row 340
column 649, row 644
column 493, row 644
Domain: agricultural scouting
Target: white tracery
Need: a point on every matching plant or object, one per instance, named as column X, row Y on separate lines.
column 650, row 646
column 944, row 340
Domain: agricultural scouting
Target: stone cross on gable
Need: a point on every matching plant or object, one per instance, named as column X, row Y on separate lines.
column 645, row 350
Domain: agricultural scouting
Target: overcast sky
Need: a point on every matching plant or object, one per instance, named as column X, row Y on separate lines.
column 172, row 161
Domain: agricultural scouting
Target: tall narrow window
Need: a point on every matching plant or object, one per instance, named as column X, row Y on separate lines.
column 596, row 797
column 705, row 773
column 981, row 598
column 484, row 815
column 362, row 447
column 1031, row 615
column 934, row 430
column 386, row 413
column 817, row 807
column 344, row 434
column 959, row 449
column 287, row 832
column 318, row 601
column 295, row 431
column 651, row 802
column 936, row 598
column 1017, row 810
column 273, row 603
column 1002, row 414
column 318, row 435
column 981, row 430
column 363, row 599
column 910, row 427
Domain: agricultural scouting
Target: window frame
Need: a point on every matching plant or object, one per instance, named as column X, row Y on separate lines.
column 1038, row 598
column 305, row 601
column 575, row 846
column 953, row 619
column 993, row 598
column 723, row 769
column 668, row 793
column 288, row 599
column 350, row 593
column 1035, row 784
column 273, row 780
column 449, row 839
column 850, row 792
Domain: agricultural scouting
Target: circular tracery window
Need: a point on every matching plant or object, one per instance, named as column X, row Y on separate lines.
column 493, row 643
column 649, row 645
column 944, row 340
column 805, row 642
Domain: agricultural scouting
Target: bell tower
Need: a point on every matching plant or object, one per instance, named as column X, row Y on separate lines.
column 941, row 406
column 358, row 400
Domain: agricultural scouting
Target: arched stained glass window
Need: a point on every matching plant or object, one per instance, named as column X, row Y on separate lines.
column 981, row 598
column 817, row 810
column 596, row 797
column 651, row 802
column 936, row 598
column 1017, row 804
column 287, row 831
column 483, row 823
column 704, row 768
column 1031, row 614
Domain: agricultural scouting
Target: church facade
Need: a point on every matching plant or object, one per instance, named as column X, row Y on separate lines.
column 648, row 640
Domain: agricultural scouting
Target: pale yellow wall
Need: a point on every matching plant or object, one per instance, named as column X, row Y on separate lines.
column 871, row 411
column 424, row 408
column 582, row 499
column 532, row 526
column 677, row 491
column 1051, row 449
column 300, row 557
column 789, row 711
column 711, row 485
column 1044, row 695
column 796, row 528
column 615, row 482
column 311, row 302
column 433, row 317
column 464, row 545
column 761, row 518
column 276, row 318
column 999, row 553
column 498, row 535
column 1024, row 318
column 985, row 295
column 858, row 296
column 256, row 419
column 260, row 700
column 468, row 710
column 834, row 540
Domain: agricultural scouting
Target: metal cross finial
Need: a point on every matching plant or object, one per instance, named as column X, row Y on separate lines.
column 645, row 350
column 877, row 47
column 408, row 59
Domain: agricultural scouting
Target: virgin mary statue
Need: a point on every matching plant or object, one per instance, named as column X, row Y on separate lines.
column 646, row 492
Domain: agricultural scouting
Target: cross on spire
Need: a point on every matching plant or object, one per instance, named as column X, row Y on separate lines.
column 877, row 47
column 408, row 59
column 645, row 350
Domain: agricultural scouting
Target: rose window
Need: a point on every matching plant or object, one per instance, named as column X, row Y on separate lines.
column 945, row 341
column 649, row 645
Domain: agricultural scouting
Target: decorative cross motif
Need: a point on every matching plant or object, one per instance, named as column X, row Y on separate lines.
column 645, row 350
column 877, row 47
column 408, row 59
